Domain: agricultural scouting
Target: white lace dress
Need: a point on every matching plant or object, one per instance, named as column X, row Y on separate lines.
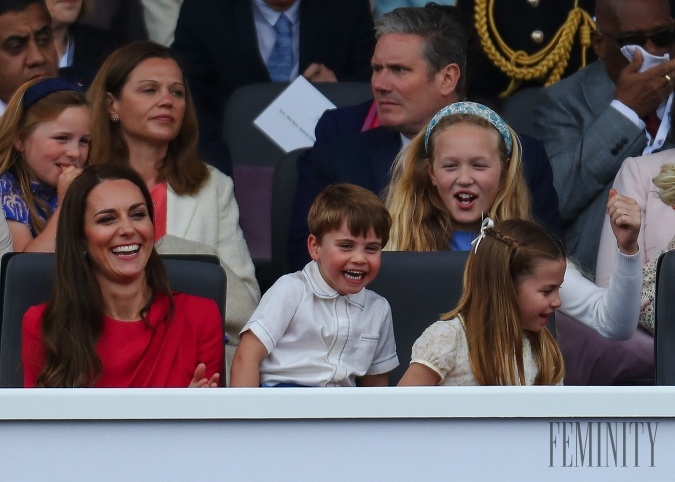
column 443, row 347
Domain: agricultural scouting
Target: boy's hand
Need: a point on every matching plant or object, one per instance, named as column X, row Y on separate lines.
column 625, row 219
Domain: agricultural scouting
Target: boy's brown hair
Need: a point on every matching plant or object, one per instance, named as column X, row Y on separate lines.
column 360, row 208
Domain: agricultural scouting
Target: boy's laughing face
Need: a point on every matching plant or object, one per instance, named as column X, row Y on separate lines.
column 347, row 262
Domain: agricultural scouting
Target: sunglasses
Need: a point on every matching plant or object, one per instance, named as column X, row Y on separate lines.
column 660, row 38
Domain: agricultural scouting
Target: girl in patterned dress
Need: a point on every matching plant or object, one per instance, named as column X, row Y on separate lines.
column 44, row 141
column 497, row 334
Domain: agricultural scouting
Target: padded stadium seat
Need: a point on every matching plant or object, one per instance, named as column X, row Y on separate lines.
column 419, row 286
column 664, row 336
column 26, row 279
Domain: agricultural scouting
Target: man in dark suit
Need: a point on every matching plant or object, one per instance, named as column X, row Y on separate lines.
column 82, row 49
column 27, row 48
column 225, row 45
column 593, row 120
column 411, row 82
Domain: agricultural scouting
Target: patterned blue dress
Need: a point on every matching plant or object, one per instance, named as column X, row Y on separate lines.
column 14, row 205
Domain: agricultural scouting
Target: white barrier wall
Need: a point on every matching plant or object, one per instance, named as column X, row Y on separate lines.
column 341, row 434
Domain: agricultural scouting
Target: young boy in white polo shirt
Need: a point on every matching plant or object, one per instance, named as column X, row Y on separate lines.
column 320, row 326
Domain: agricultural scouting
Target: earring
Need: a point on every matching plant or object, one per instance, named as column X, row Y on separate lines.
column 115, row 119
column 84, row 254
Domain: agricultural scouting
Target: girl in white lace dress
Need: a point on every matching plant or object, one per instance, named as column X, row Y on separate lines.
column 497, row 334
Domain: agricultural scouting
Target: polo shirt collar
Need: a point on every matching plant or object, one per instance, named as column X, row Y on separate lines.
column 324, row 290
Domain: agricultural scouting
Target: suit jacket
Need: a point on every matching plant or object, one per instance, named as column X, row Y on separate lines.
column 634, row 180
column 124, row 17
column 217, row 42
column 366, row 158
column 92, row 47
column 586, row 140
column 211, row 217
column 342, row 122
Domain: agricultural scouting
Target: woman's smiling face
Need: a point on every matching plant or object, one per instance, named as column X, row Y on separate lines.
column 118, row 231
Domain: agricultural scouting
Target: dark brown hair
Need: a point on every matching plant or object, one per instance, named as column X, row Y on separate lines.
column 73, row 320
column 181, row 168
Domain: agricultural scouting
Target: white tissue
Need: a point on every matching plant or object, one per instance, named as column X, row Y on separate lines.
column 648, row 60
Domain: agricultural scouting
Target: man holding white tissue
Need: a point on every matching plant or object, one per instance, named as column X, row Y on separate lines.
column 616, row 107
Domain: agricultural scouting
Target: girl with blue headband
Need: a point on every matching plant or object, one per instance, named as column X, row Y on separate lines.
column 465, row 167
column 483, row 177
column 44, row 142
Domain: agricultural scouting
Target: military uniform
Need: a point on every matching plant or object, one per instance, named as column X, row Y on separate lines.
column 527, row 25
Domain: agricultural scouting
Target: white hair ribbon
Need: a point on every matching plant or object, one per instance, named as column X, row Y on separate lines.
column 487, row 223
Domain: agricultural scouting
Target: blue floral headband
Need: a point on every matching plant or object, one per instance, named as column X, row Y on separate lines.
column 45, row 87
column 471, row 108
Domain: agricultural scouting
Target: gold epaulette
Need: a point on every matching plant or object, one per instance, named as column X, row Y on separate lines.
column 549, row 62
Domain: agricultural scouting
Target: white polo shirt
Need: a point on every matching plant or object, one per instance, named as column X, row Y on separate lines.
column 317, row 337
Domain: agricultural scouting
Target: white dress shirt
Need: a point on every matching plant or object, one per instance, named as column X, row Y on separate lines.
column 317, row 337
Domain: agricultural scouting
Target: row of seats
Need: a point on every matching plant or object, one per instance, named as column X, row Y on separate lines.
column 419, row 286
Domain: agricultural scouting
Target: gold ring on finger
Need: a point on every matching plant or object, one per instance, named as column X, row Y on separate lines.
column 668, row 79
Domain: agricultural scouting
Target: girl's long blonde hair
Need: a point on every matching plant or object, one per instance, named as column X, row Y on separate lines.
column 489, row 305
column 420, row 220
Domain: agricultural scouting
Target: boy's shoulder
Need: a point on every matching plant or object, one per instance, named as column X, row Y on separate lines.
column 374, row 299
column 289, row 281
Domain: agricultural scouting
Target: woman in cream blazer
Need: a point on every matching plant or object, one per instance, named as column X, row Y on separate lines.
column 143, row 116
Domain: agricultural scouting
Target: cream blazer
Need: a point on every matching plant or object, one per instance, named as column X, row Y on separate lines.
column 211, row 217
